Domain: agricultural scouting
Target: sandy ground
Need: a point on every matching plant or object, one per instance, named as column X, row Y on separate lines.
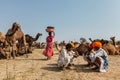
column 36, row 67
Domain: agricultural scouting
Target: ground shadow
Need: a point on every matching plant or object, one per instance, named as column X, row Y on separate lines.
column 55, row 65
column 84, row 68
column 29, row 59
column 51, row 68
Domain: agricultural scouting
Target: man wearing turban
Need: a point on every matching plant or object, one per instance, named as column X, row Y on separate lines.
column 99, row 56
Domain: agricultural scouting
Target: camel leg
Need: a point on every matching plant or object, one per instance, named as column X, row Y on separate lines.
column 7, row 55
column 24, row 40
column 10, row 52
column 29, row 49
column 14, row 52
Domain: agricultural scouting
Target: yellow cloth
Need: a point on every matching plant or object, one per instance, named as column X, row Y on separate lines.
column 72, row 45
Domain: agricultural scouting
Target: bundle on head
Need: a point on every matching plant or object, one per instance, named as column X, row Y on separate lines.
column 49, row 29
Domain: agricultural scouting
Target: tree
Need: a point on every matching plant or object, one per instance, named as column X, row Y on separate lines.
column 82, row 40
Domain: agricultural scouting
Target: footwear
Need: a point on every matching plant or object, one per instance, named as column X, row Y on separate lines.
column 103, row 70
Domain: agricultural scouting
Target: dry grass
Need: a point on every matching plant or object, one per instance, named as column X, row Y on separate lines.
column 36, row 67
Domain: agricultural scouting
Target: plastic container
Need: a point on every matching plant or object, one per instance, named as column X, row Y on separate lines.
column 49, row 29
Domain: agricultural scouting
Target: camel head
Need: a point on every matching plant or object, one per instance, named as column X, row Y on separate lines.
column 91, row 39
column 39, row 34
column 12, row 30
column 15, row 26
column 112, row 38
column 104, row 41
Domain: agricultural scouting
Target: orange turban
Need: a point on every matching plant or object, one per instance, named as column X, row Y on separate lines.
column 97, row 44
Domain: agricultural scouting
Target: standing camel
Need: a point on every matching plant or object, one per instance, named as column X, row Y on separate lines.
column 13, row 35
column 30, row 40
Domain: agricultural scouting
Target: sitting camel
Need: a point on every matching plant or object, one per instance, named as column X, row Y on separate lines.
column 5, row 49
column 117, row 47
column 107, row 46
column 13, row 35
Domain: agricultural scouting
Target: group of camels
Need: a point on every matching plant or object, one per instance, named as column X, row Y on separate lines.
column 15, row 42
column 110, row 46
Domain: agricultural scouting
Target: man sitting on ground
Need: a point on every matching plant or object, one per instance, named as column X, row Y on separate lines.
column 99, row 57
column 66, row 57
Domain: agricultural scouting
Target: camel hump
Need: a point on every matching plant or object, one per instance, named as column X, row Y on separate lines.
column 0, row 33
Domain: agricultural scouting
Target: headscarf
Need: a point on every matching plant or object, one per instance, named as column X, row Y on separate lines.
column 72, row 44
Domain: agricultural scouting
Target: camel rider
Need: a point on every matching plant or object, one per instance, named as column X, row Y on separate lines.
column 97, row 53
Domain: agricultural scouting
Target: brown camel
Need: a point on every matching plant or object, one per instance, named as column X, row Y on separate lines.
column 2, row 37
column 107, row 46
column 4, row 47
column 30, row 40
column 15, row 34
column 83, row 48
column 117, row 47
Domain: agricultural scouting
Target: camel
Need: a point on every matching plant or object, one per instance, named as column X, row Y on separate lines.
column 4, row 47
column 107, row 46
column 117, row 47
column 30, row 40
column 83, row 48
column 36, row 45
column 15, row 34
column 113, row 40
column 2, row 37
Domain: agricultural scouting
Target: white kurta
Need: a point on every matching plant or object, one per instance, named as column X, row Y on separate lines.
column 65, row 58
column 100, row 54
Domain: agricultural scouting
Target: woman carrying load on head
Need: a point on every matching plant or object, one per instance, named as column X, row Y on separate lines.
column 49, row 40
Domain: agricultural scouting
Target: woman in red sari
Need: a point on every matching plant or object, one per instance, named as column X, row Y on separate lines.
column 49, row 47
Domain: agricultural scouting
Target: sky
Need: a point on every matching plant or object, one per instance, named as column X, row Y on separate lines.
column 72, row 19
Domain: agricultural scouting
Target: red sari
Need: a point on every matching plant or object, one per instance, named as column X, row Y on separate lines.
column 49, row 47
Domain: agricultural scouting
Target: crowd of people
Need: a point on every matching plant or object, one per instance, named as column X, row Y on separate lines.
column 96, row 55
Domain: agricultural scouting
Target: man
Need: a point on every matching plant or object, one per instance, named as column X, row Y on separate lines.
column 99, row 57
column 66, row 57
